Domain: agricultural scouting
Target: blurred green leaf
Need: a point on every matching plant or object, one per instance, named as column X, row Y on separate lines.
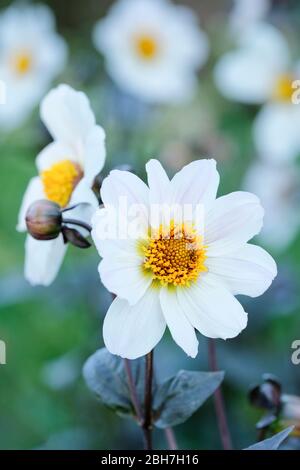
column 105, row 375
column 174, row 401
column 291, row 443
column 180, row 396
column 273, row 442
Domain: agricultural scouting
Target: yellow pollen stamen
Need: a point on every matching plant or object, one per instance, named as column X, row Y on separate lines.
column 22, row 63
column 175, row 256
column 60, row 180
column 146, row 47
column 283, row 90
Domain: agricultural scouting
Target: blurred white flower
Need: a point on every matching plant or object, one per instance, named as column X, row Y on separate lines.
column 180, row 273
column 279, row 190
column 152, row 49
column 247, row 12
column 67, row 168
column 32, row 54
column 260, row 71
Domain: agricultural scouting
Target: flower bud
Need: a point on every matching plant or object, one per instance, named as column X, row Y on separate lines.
column 267, row 395
column 43, row 220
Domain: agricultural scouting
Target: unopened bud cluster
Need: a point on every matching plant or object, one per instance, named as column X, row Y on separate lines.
column 44, row 221
column 280, row 408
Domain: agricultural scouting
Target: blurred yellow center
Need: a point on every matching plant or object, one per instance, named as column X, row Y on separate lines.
column 22, row 63
column 146, row 47
column 283, row 90
column 175, row 255
column 60, row 180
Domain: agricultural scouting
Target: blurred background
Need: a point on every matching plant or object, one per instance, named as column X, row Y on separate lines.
column 50, row 332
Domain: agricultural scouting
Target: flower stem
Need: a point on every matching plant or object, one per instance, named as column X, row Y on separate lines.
column 219, row 401
column 171, row 439
column 169, row 433
column 136, row 404
column 147, row 423
column 133, row 392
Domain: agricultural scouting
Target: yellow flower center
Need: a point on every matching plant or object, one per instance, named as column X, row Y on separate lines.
column 60, row 180
column 146, row 47
column 22, row 63
column 283, row 90
column 175, row 256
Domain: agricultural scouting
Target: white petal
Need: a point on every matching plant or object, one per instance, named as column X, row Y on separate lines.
column 233, row 220
column 244, row 77
column 132, row 332
column 20, row 98
column 30, row 28
column 160, row 84
column 127, row 195
column 196, row 184
column 276, row 132
column 53, row 153
column 31, row 17
column 180, row 327
column 170, row 77
column 108, row 241
column 188, row 300
column 194, row 188
column 193, row 47
column 277, row 187
column 124, row 184
column 268, row 42
column 212, row 309
column 84, row 194
column 33, row 20
column 51, row 56
column 34, row 192
column 122, row 275
column 105, row 235
column 158, row 182
column 247, row 12
column 249, row 271
column 159, row 194
column 68, row 116
column 249, row 73
column 95, row 153
column 43, row 260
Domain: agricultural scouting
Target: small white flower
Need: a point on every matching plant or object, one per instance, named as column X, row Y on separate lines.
column 260, row 71
column 152, row 49
column 32, row 54
column 180, row 274
column 247, row 12
column 279, row 190
column 67, row 168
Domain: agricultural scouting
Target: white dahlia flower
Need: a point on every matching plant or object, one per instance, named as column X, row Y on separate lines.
column 260, row 71
column 152, row 49
column 67, row 168
column 32, row 54
column 176, row 256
